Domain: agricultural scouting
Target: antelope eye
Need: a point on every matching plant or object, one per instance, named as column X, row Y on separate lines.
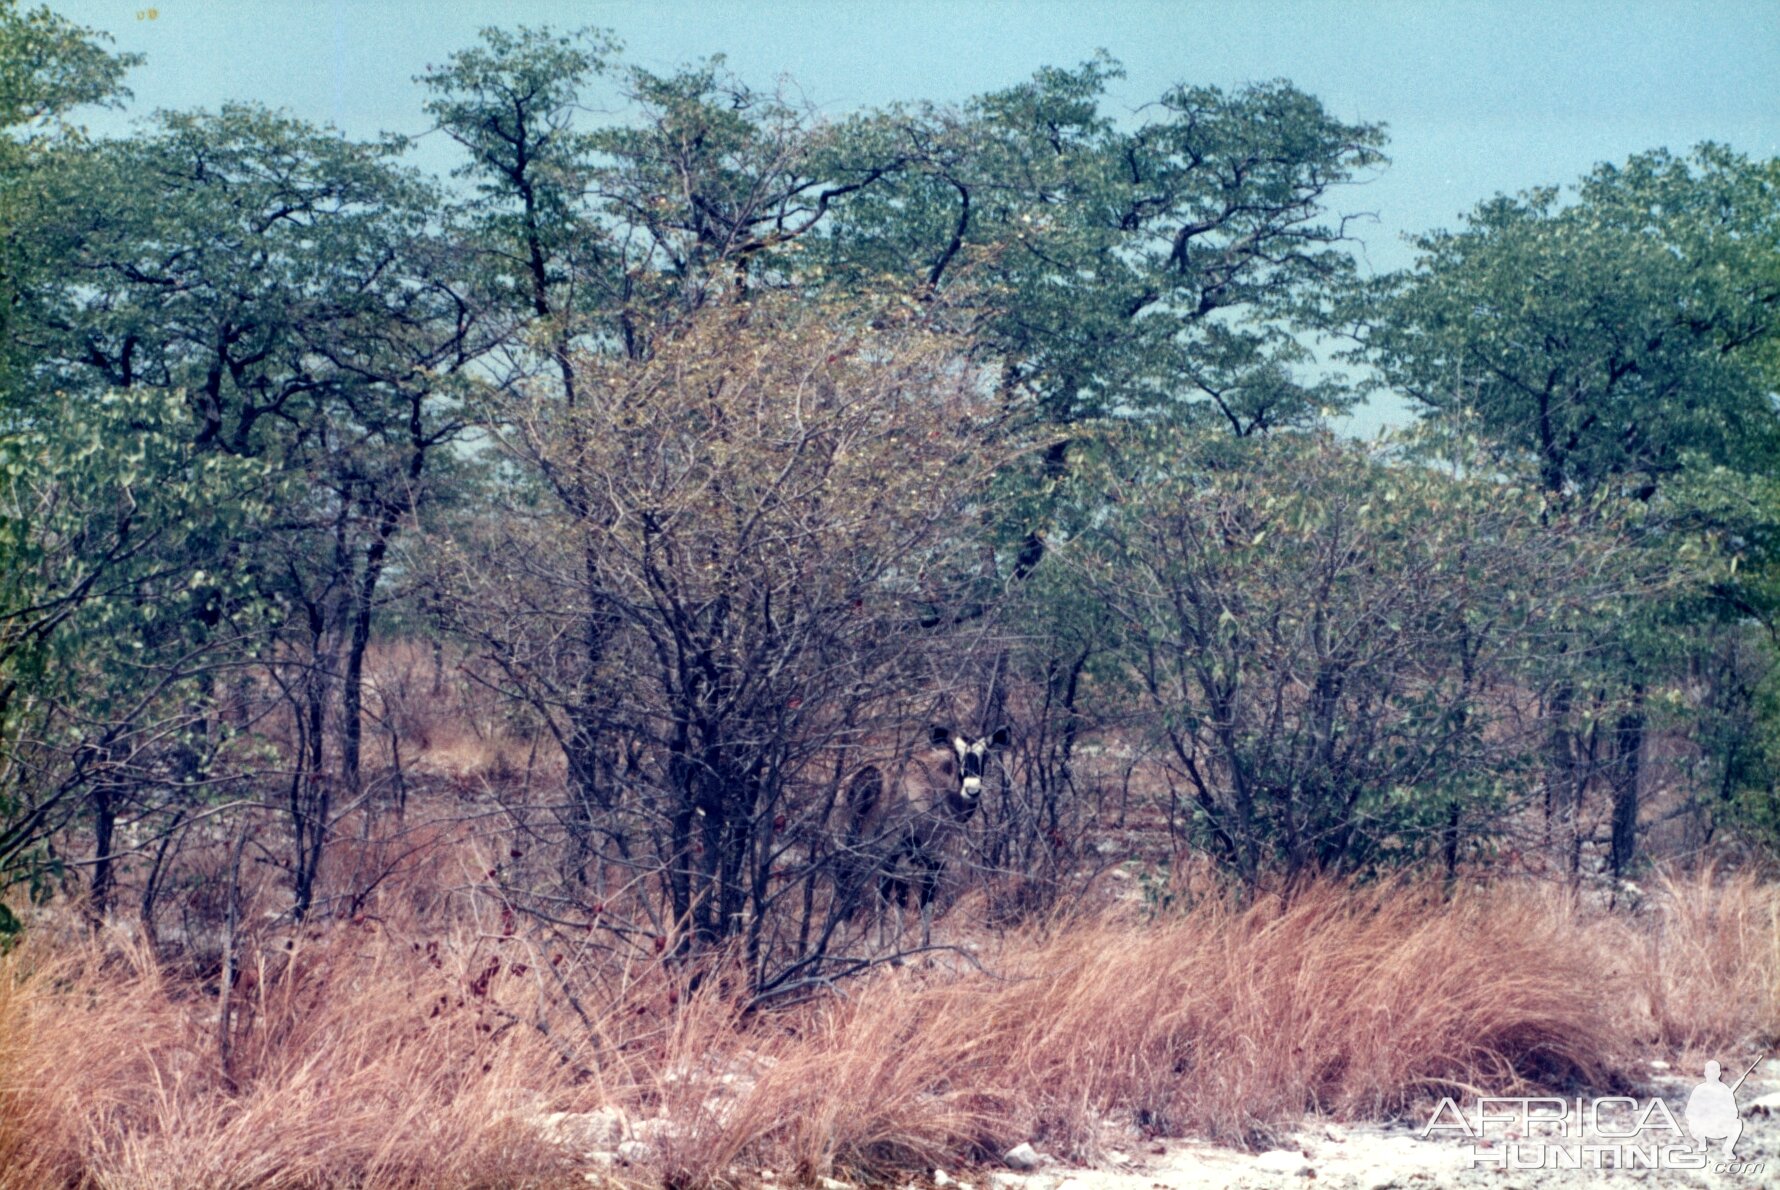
column 946, row 767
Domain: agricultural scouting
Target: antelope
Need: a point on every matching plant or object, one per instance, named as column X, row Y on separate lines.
column 909, row 824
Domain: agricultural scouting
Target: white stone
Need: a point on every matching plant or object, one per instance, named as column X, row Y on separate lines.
column 1019, row 1181
column 604, row 1123
column 1022, row 1156
column 596, row 1129
column 833, row 1184
column 1767, row 1105
column 1281, row 1161
column 636, row 1152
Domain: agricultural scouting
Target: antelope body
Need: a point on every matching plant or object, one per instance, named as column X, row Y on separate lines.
column 908, row 823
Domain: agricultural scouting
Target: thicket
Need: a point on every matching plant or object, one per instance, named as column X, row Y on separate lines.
column 714, row 449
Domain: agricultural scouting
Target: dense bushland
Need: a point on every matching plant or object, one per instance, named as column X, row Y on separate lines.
column 488, row 588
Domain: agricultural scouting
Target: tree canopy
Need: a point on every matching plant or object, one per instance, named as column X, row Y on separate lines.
column 717, row 440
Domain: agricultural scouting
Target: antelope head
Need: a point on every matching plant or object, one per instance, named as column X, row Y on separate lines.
column 965, row 765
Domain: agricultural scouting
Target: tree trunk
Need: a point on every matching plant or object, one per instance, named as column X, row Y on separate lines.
column 1560, row 758
column 685, row 816
column 311, row 802
column 389, row 520
column 151, row 887
column 352, row 688
column 1629, row 736
column 225, row 1032
column 104, row 827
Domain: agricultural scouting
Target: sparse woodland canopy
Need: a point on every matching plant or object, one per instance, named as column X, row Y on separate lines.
column 699, row 453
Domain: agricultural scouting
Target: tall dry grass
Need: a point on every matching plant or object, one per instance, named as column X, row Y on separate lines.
column 1227, row 1021
column 340, row 1073
column 395, row 1052
column 1707, row 961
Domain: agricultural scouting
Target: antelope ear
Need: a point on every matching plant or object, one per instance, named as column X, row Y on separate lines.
column 940, row 736
column 1000, row 738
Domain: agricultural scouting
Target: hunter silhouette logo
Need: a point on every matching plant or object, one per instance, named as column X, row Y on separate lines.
column 1711, row 1112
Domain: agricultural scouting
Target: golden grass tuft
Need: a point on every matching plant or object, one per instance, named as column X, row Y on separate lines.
column 379, row 1054
column 1709, row 961
column 1226, row 1021
column 110, row 1075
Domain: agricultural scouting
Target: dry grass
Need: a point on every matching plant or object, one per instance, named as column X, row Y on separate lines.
column 110, row 1075
column 369, row 1057
column 1709, row 962
column 1226, row 1021
column 422, row 706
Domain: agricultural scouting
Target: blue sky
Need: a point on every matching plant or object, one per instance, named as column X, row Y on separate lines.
column 1479, row 97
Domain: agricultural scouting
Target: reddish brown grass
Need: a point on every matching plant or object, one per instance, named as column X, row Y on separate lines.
column 1708, row 961
column 1226, row 1021
column 368, row 1057
column 110, row 1075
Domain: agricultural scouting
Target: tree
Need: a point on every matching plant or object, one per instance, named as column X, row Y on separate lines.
column 1125, row 269
column 1156, row 271
column 510, row 103
column 763, row 516
column 49, row 67
column 1329, row 644
column 600, row 238
column 1617, row 343
column 1607, row 338
column 595, row 244
column 289, row 289
column 1728, row 630
column 114, row 520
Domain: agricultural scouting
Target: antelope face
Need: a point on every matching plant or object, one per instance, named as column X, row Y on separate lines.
column 970, row 755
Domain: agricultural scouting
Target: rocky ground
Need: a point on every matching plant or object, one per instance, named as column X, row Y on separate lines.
column 1325, row 1155
column 1376, row 1157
